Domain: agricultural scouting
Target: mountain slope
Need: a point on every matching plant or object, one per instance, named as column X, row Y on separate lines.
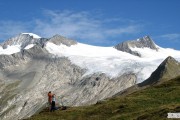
column 34, row 72
column 168, row 69
column 152, row 99
column 80, row 74
column 151, row 103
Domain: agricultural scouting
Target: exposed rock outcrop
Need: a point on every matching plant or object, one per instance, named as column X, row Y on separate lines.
column 58, row 39
column 145, row 42
column 24, row 40
column 168, row 69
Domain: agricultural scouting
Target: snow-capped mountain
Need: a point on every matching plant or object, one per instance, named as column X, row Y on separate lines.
column 145, row 42
column 19, row 42
column 80, row 74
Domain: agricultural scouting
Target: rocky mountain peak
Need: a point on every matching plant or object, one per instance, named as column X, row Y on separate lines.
column 169, row 60
column 58, row 39
column 168, row 69
column 17, row 40
column 144, row 42
column 23, row 40
column 32, row 35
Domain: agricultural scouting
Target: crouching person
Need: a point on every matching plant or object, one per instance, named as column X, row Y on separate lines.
column 53, row 104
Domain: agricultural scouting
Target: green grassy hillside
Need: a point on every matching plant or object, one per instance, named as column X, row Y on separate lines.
column 152, row 103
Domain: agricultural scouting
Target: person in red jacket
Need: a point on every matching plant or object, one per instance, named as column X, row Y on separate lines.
column 50, row 99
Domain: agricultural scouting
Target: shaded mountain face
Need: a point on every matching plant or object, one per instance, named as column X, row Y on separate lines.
column 168, row 69
column 145, row 42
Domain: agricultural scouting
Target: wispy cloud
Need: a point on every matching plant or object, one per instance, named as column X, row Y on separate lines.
column 132, row 29
column 83, row 26
column 174, row 37
column 170, row 40
column 11, row 28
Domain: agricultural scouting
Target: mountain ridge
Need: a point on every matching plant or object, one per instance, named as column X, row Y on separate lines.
column 25, row 39
column 144, row 42
column 82, row 74
column 168, row 69
column 58, row 39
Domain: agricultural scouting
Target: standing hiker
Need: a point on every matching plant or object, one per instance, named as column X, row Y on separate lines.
column 50, row 99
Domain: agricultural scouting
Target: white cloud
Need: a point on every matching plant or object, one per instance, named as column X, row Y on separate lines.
column 83, row 26
column 174, row 37
column 11, row 28
column 124, row 30
column 171, row 36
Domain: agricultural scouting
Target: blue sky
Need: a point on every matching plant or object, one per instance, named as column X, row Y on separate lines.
column 95, row 22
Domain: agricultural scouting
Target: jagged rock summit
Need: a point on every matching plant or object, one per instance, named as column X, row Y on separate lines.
column 145, row 42
column 24, row 39
column 58, row 39
column 168, row 69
